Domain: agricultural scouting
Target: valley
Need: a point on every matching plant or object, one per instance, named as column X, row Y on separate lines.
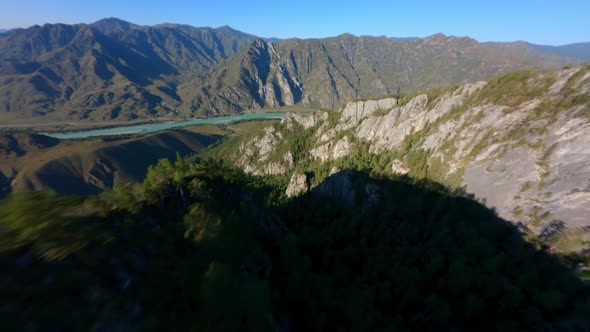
column 113, row 70
column 149, row 128
column 168, row 177
column 35, row 162
column 494, row 140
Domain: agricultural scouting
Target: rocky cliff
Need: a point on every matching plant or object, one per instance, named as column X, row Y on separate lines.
column 329, row 72
column 517, row 142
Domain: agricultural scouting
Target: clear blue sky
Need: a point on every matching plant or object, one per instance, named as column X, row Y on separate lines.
column 545, row 22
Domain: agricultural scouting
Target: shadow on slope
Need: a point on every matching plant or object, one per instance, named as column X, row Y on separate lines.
column 206, row 247
column 21, row 143
column 91, row 168
column 414, row 256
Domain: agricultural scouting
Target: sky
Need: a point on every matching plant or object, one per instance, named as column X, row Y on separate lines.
column 554, row 22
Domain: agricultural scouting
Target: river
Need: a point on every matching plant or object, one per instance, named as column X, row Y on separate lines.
column 153, row 127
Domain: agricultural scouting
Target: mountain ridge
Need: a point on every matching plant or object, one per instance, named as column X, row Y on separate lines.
column 115, row 70
column 116, row 20
column 331, row 71
column 502, row 140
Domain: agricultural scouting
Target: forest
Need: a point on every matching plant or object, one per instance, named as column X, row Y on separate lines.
column 201, row 246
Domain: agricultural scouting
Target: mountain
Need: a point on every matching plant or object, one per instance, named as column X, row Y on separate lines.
column 37, row 162
column 579, row 51
column 573, row 53
column 3, row 31
column 205, row 247
column 461, row 208
column 328, row 72
column 516, row 142
column 116, row 70
column 110, row 69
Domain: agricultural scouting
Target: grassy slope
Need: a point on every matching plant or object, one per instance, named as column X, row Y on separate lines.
column 89, row 166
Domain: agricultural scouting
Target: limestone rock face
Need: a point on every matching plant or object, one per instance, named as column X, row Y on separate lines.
column 274, row 88
column 334, row 170
column 567, row 181
column 386, row 132
column 288, row 159
column 397, row 167
column 356, row 111
column 307, row 121
column 272, row 168
column 530, row 163
column 332, row 150
column 493, row 182
column 267, row 143
column 342, row 148
column 552, row 184
column 297, row 185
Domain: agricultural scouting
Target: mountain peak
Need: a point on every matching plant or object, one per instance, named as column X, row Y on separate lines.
column 259, row 42
column 346, row 35
column 112, row 24
column 442, row 39
column 112, row 20
column 437, row 36
column 226, row 28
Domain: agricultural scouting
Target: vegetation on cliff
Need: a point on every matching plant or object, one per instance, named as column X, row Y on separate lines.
column 202, row 246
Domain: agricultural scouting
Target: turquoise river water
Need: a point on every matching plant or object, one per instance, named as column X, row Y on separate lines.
column 153, row 127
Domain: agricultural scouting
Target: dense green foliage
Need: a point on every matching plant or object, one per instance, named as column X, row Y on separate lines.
column 419, row 260
column 205, row 247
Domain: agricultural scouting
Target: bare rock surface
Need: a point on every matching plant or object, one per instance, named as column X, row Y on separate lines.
column 498, row 181
column 356, row 111
column 332, row 150
column 527, row 160
column 297, row 185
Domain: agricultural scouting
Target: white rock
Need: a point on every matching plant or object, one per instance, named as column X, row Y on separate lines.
column 297, row 185
column 397, row 167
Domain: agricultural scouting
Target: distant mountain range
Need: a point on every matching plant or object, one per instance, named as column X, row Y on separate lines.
column 112, row 69
column 578, row 50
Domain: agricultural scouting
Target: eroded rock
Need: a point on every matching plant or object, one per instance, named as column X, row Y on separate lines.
column 297, row 185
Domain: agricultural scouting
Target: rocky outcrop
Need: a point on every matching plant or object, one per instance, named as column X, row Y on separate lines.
column 254, row 155
column 332, row 150
column 397, row 167
column 539, row 186
column 525, row 157
column 356, row 111
column 274, row 85
column 297, row 185
column 306, row 121
column 386, row 132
